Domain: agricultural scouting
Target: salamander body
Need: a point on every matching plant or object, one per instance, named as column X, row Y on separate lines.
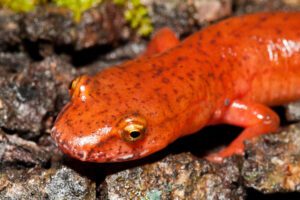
column 228, row 73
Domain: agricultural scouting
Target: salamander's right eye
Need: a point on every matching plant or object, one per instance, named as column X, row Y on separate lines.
column 72, row 85
column 77, row 86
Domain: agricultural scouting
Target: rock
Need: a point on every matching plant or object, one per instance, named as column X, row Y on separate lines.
column 16, row 152
column 293, row 111
column 30, row 91
column 189, row 15
column 272, row 162
column 53, row 184
column 10, row 30
column 250, row 6
column 179, row 176
column 103, row 24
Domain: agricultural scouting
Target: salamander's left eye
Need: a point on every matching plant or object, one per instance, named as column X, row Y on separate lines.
column 132, row 128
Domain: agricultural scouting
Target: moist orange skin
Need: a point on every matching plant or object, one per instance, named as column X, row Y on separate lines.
column 226, row 73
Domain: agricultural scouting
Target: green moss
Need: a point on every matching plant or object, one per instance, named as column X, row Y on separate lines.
column 120, row 2
column 137, row 16
column 77, row 6
column 19, row 5
column 135, row 13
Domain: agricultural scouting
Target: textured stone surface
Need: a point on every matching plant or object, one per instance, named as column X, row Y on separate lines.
column 29, row 91
column 273, row 162
column 54, row 184
column 293, row 111
column 33, row 88
column 175, row 177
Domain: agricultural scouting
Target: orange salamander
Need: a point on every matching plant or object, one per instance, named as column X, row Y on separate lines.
column 226, row 73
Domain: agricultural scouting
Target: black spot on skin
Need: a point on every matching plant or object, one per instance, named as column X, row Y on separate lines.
column 157, row 72
column 153, row 65
column 199, row 43
column 198, row 60
column 190, row 75
column 181, row 97
column 190, row 46
column 87, row 81
column 80, row 155
column 69, row 122
column 236, row 35
column 218, row 34
column 278, row 31
column 212, row 41
column 200, row 38
column 263, row 18
column 137, row 75
column 135, row 99
column 157, row 90
column 88, row 124
column 180, row 78
column 245, row 57
column 95, row 81
column 110, row 85
column 203, row 52
column 181, row 58
column 165, row 80
column 137, row 85
column 211, row 75
column 286, row 18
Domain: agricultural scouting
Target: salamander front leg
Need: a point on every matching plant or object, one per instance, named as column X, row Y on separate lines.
column 257, row 119
column 162, row 40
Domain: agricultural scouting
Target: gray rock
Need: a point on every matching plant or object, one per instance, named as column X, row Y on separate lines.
column 272, row 163
column 54, row 184
column 175, row 177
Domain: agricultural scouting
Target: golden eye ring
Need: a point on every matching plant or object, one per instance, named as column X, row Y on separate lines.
column 74, row 87
column 132, row 128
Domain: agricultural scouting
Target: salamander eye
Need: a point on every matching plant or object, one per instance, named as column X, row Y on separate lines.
column 132, row 128
column 72, row 85
column 75, row 86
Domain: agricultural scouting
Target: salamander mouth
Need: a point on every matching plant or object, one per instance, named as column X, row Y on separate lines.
column 66, row 145
column 71, row 148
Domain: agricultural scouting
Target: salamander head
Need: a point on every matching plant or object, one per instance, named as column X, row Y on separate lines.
column 103, row 123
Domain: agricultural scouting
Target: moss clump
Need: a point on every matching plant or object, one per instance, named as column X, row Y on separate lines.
column 137, row 16
column 20, row 5
column 77, row 6
column 135, row 13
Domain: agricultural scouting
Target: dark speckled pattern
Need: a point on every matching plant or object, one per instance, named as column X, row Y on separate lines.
column 254, row 58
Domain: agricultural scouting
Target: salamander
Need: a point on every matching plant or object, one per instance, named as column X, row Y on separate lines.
column 227, row 73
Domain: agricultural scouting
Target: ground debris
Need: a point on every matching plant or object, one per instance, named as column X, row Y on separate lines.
column 273, row 161
column 29, row 92
column 179, row 176
column 17, row 152
column 61, row 183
